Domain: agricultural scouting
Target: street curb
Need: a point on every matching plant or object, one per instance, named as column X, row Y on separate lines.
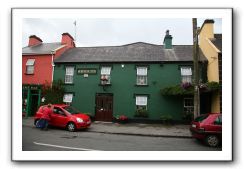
column 131, row 134
column 145, row 135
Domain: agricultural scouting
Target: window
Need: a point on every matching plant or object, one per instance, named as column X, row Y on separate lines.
column 105, row 75
column 141, row 102
column 68, row 98
column 141, row 78
column 30, row 66
column 186, row 75
column 69, row 75
column 58, row 111
column 218, row 120
column 188, row 105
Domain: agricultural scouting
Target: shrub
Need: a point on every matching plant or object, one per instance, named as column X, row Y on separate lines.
column 53, row 93
column 167, row 119
column 141, row 113
column 187, row 117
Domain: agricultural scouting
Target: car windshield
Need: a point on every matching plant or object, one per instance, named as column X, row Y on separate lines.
column 200, row 118
column 72, row 110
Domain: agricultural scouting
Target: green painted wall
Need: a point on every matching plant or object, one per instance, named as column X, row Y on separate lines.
column 124, row 87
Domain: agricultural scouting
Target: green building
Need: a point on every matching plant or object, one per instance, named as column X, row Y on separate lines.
column 110, row 81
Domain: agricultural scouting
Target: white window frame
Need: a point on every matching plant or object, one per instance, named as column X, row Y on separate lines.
column 188, row 108
column 141, row 76
column 68, row 97
column 30, row 66
column 106, row 71
column 69, row 75
column 141, row 102
column 186, row 74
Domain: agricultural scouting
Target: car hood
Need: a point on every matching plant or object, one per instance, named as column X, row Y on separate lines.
column 80, row 115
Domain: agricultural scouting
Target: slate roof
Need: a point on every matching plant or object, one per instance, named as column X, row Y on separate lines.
column 43, row 48
column 217, row 41
column 135, row 52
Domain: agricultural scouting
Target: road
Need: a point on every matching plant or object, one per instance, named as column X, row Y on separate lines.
column 60, row 140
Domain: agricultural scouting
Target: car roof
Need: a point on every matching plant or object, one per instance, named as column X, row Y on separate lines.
column 58, row 105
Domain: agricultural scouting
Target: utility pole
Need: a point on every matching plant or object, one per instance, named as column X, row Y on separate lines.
column 75, row 29
column 196, row 69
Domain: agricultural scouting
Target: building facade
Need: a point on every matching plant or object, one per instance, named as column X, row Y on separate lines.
column 37, row 68
column 211, row 46
column 110, row 81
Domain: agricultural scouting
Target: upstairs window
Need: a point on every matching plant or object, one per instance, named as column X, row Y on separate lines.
column 69, row 73
column 141, row 76
column 186, row 75
column 105, row 75
column 30, row 66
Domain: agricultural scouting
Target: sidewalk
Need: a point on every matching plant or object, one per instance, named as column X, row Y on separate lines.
column 156, row 130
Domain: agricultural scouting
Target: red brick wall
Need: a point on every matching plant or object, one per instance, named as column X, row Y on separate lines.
column 42, row 70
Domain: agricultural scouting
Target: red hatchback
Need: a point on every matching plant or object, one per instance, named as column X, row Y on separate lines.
column 208, row 127
column 65, row 116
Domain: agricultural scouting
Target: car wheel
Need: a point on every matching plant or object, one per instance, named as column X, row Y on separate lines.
column 212, row 140
column 71, row 127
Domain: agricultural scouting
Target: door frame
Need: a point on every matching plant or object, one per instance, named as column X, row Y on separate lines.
column 104, row 94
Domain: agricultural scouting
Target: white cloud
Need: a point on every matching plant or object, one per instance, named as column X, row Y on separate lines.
column 111, row 32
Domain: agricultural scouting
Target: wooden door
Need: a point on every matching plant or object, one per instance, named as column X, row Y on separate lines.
column 104, row 107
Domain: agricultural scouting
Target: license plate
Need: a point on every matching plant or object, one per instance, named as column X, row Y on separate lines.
column 193, row 125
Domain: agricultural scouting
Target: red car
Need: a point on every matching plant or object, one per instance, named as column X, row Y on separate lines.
column 208, row 127
column 65, row 116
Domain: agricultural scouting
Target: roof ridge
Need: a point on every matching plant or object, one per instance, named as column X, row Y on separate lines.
column 114, row 45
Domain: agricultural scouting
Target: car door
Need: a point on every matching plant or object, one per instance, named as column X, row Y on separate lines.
column 218, row 124
column 58, row 117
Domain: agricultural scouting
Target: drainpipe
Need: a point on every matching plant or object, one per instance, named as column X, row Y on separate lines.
column 52, row 52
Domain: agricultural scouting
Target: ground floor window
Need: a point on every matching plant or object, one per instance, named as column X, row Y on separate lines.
column 68, row 97
column 188, row 105
column 141, row 106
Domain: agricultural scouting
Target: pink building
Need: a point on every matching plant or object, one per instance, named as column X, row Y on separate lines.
column 37, row 67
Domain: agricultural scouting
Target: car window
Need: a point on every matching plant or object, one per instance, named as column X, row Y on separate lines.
column 57, row 110
column 201, row 118
column 218, row 120
column 72, row 110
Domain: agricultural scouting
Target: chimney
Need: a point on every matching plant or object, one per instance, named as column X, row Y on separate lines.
column 168, row 41
column 207, row 29
column 67, row 40
column 34, row 40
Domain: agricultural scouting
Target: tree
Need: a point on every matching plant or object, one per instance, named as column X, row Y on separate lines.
column 53, row 93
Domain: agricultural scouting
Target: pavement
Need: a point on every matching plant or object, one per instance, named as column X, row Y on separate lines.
column 139, row 129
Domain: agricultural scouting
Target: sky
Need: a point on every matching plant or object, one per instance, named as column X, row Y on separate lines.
column 113, row 32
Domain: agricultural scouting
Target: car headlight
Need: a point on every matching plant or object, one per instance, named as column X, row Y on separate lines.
column 79, row 120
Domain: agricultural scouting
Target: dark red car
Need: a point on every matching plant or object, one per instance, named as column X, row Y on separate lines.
column 208, row 127
column 65, row 116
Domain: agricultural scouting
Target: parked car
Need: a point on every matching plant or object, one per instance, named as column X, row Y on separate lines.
column 208, row 127
column 65, row 116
